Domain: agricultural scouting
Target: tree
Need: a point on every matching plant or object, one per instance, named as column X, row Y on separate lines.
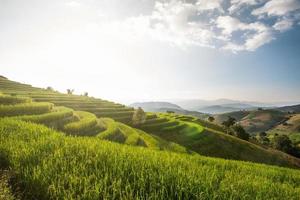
column 229, row 122
column 262, row 134
column 170, row 111
column 263, row 139
column 211, row 119
column 70, row 91
column 240, row 132
column 86, row 94
column 139, row 117
column 49, row 88
column 282, row 143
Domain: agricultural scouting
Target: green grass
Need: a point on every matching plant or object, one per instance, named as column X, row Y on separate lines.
column 25, row 109
column 56, row 118
column 5, row 189
column 199, row 137
column 194, row 134
column 49, row 165
column 86, row 124
column 8, row 100
column 124, row 134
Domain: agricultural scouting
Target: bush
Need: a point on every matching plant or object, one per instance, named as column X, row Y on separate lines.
column 229, row 122
column 282, row 143
column 211, row 119
column 240, row 132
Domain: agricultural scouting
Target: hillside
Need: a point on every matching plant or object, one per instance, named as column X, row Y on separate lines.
column 79, row 123
column 165, row 129
column 198, row 104
column 255, row 121
column 218, row 109
column 290, row 127
column 238, row 115
column 167, row 107
column 43, row 163
column 209, row 139
column 293, row 109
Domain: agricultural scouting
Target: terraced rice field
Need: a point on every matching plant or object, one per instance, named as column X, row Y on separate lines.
column 81, row 123
column 193, row 134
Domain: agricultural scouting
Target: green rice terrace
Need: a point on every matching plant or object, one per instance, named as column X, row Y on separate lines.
column 64, row 146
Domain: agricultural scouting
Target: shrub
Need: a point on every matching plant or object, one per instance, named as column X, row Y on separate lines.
column 240, row 132
column 211, row 119
column 282, row 143
column 229, row 122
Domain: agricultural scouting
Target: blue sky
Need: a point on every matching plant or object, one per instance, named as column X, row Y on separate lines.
column 141, row 50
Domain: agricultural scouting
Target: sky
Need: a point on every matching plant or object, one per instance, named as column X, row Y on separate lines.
column 150, row 50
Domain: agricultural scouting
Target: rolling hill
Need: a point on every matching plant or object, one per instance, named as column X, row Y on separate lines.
column 262, row 120
column 197, row 135
column 293, row 109
column 64, row 146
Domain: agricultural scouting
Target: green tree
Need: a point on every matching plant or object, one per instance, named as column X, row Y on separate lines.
column 49, row 88
column 240, row 132
column 263, row 139
column 86, row 94
column 170, row 111
column 283, row 143
column 262, row 134
column 70, row 91
column 211, row 119
column 229, row 122
column 139, row 117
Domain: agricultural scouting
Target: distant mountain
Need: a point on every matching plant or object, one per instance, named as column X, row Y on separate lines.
column 199, row 104
column 218, row 109
column 294, row 108
column 156, row 106
column 166, row 106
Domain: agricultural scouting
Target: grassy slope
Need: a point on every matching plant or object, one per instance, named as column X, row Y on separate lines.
column 200, row 138
column 45, row 162
column 263, row 120
column 191, row 135
column 238, row 115
column 83, row 123
column 291, row 127
column 255, row 121
column 124, row 134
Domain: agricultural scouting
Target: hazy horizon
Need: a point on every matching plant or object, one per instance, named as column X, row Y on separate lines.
column 155, row 50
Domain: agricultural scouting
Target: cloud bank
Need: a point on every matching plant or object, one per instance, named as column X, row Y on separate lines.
column 234, row 25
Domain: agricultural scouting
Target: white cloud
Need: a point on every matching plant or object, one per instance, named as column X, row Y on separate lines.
column 257, row 40
column 228, row 24
column 283, row 25
column 262, row 33
column 237, row 4
column 277, row 7
column 199, row 23
column 210, row 5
